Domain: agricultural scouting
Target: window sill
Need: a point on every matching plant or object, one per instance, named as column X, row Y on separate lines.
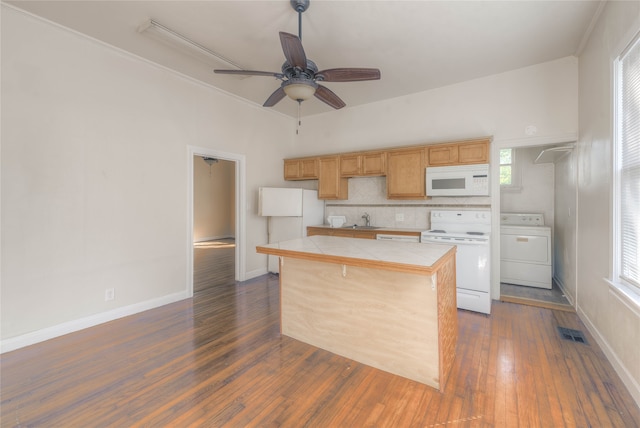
column 627, row 293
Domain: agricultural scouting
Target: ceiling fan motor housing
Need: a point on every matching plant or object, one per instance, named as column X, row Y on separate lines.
column 300, row 5
column 309, row 71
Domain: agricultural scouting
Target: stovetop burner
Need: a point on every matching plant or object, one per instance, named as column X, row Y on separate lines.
column 468, row 233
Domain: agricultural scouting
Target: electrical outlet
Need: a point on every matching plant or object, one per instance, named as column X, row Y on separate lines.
column 399, row 216
column 109, row 294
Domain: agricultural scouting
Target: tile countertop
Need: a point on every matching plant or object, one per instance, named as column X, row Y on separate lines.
column 387, row 255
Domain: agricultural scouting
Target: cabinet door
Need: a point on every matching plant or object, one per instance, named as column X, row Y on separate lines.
column 292, row 169
column 473, row 152
column 350, row 165
column 312, row 231
column 301, row 169
column 406, row 174
column 441, row 155
column 330, row 184
column 374, row 163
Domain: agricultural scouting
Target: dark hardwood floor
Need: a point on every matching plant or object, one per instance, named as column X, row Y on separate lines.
column 213, row 263
column 218, row 360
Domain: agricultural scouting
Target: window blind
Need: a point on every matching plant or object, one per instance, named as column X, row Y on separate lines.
column 629, row 165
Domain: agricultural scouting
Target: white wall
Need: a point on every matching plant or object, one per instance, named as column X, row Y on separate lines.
column 502, row 106
column 94, row 176
column 613, row 318
column 534, row 193
column 564, row 226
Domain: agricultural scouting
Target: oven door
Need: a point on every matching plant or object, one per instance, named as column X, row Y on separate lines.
column 473, row 266
column 473, row 272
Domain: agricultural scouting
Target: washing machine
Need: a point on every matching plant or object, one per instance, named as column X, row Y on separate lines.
column 525, row 250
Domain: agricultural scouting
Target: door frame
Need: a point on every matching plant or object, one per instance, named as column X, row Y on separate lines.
column 515, row 143
column 240, row 202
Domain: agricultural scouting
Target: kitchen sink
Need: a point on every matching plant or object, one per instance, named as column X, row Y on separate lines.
column 360, row 227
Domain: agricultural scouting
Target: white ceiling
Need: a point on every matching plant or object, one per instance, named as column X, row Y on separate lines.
column 417, row 45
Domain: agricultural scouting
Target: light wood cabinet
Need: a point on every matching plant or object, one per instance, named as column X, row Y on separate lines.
column 346, row 233
column 301, row 169
column 330, row 184
column 406, row 173
column 473, row 152
column 461, row 153
column 442, row 154
column 403, row 167
column 365, row 164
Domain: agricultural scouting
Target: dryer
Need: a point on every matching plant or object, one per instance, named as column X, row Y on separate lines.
column 525, row 250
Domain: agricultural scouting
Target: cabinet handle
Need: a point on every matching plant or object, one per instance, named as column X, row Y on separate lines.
column 522, row 239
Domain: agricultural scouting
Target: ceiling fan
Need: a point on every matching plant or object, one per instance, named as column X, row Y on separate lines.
column 300, row 75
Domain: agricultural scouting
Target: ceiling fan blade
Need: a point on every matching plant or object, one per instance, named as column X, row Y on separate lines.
column 293, row 51
column 250, row 73
column 349, row 74
column 274, row 98
column 325, row 95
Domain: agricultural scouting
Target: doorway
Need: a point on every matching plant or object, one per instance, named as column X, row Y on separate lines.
column 538, row 183
column 213, row 222
column 216, row 221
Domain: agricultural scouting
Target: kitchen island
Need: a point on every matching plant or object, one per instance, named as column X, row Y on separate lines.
column 390, row 305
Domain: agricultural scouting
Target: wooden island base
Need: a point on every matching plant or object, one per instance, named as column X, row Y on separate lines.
column 401, row 322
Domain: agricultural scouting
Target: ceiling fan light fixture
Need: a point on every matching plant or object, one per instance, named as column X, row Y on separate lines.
column 300, row 90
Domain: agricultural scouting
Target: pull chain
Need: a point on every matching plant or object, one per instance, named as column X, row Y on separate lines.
column 299, row 121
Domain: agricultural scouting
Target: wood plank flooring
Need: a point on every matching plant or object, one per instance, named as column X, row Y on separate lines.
column 213, row 263
column 218, row 360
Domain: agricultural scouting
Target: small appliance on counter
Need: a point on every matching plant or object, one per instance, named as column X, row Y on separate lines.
column 336, row 220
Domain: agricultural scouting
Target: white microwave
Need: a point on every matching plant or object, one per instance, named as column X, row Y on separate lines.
column 459, row 180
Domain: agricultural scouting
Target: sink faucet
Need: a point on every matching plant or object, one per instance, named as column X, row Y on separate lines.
column 367, row 219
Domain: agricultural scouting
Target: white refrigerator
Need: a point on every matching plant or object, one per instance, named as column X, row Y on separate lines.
column 289, row 212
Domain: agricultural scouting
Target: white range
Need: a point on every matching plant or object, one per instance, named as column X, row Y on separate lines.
column 470, row 231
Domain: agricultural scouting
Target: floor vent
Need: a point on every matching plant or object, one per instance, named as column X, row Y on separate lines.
column 572, row 335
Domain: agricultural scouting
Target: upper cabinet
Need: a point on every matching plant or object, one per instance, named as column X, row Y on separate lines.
column 365, row 164
column 462, row 153
column 330, row 184
column 406, row 173
column 473, row 152
column 301, row 169
column 404, row 167
column 442, row 154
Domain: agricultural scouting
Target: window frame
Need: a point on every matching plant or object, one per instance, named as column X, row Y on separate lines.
column 515, row 182
column 617, row 278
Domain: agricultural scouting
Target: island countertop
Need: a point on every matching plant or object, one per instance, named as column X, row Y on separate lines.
column 390, row 305
column 387, row 255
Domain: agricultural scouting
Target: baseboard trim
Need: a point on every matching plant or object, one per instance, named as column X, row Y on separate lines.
column 621, row 370
column 34, row 337
column 255, row 273
column 562, row 288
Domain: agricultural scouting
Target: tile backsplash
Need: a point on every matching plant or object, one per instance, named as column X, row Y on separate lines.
column 369, row 195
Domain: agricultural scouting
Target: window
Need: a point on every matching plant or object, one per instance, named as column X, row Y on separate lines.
column 627, row 167
column 506, row 167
